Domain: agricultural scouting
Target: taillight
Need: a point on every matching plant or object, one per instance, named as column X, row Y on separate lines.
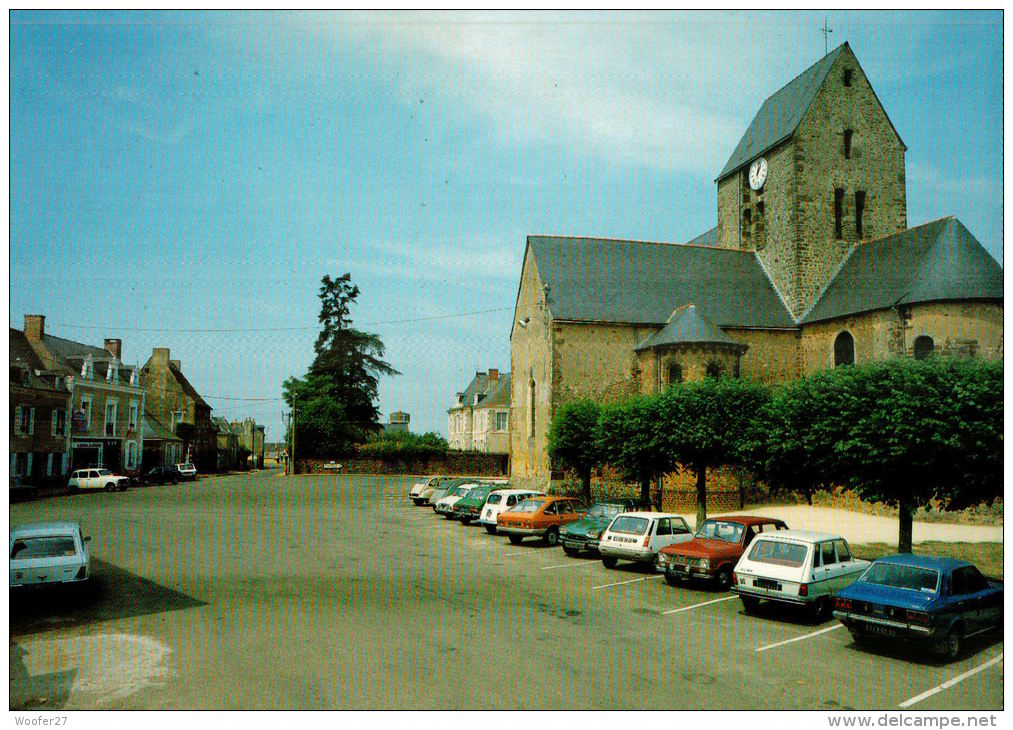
column 647, row 539
column 81, row 574
column 843, row 603
column 739, row 579
column 803, row 590
column 918, row 617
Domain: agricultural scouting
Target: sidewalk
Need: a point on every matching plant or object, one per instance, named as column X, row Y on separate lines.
column 859, row 528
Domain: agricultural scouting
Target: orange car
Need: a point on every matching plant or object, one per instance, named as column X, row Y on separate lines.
column 539, row 517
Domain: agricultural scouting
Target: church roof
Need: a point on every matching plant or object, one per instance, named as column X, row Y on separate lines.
column 636, row 282
column 781, row 113
column 707, row 238
column 936, row 261
column 687, row 325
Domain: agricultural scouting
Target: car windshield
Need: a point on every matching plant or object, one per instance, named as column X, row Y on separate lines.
column 103, row 472
column 910, row 577
column 529, row 505
column 720, row 530
column 604, row 510
column 188, row 467
column 55, row 546
column 775, row 552
column 630, row 525
column 461, row 491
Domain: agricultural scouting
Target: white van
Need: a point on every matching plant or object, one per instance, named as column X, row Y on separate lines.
column 796, row 567
column 638, row 536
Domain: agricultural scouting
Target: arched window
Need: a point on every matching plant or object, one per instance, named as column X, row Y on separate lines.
column 674, row 373
column 531, row 408
column 923, row 347
column 844, row 349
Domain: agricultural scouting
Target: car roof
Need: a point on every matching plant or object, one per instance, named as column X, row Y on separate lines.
column 33, row 529
column 649, row 515
column 799, row 536
column 925, row 561
column 508, row 492
column 747, row 519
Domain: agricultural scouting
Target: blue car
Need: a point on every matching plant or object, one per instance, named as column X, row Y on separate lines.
column 934, row 602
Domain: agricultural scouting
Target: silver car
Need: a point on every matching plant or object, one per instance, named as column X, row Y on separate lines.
column 47, row 553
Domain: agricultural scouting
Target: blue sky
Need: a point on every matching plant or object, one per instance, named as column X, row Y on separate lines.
column 183, row 171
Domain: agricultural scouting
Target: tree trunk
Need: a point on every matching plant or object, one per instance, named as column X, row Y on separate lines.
column 645, row 493
column 701, row 494
column 906, row 510
column 585, row 479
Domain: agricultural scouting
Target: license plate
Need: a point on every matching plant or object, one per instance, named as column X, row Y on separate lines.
column 770, row 585
column 881, row 630
column 571, row 544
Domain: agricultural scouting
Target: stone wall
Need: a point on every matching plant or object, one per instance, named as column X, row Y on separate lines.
column 465, row 463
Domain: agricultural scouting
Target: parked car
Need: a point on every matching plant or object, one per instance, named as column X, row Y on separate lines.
column 97, row 479
column 160, row 475
column 922, row 600
column 638, row 536
column 47, row 553
column 539, row 517
column 440, row 491
column 796, row 567
column 584, row 533
column 445, row 506
column 187, row 472
column 469, row 507
column 715, row 549
column 503, row 499
column 420, row 491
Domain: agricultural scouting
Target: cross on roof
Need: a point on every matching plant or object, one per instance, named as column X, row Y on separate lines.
column 826, row 34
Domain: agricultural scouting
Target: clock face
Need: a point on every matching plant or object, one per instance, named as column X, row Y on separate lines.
column 758, row 174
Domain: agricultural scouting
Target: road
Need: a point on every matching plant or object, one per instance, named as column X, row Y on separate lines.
column 335, row 592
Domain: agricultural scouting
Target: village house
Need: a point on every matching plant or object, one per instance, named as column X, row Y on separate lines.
column 480, row 419
column 811, row 265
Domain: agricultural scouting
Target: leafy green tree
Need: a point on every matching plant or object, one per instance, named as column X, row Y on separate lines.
column 573, row 440
column 335, row 403
column 405, row 445
column 709, row 423
column 630, row 438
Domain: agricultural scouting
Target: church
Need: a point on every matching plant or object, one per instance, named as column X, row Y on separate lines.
column 811, row 265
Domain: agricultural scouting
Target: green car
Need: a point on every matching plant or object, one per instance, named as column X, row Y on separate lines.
column 583, row 534
column 469, row 507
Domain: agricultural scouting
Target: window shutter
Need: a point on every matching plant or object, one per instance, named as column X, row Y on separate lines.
column 31, row 422
column 55, row 412
column 17, row 419
column 63, row 463
column 49, row 465
column 28, row 464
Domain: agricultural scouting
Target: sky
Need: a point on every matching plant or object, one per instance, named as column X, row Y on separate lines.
column 185, row 179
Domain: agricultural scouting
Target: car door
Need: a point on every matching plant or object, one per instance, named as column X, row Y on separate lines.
column 825, row 569
column 663, row 534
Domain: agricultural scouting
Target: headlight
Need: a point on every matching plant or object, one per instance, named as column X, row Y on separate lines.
column 705, row 564
column 662, row 559
column 592, row 535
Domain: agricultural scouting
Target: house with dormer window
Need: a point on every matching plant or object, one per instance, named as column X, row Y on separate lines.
column 480, row 419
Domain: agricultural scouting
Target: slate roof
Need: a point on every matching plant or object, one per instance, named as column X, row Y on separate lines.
column 687, row 325
column 936, row 261
column 69, row 350
column 20, row 349
column 707, row 238
column 185, row 385
column 635, row 282
column 492, row 394
column 155, row 430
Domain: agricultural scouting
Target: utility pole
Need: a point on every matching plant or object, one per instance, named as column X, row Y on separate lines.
column 295, row 401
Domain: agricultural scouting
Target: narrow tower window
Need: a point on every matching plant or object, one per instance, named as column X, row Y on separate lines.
column 846, row 79
column 859, row 210
column 848, row 133
column 531, row 409
column 838, row 212
column 844, row 349
column 674, row 373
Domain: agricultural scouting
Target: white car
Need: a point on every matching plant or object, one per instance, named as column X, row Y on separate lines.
column 187, row 471
column 638, row 536
column 446, row 504
column 97, row 479
column 49, row 552
column 503, row 499
column 796, row 567
column 420, row 491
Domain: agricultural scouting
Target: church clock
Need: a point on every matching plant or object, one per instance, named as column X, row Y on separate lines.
column 758, row 173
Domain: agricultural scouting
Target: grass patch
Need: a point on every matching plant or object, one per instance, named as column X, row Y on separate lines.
column 986, row 556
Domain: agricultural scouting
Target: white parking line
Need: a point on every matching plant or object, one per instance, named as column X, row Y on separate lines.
column 624, row 582
column 799, row 638
column 697, row 605
column 950, row 682
column 522, row 552
column 571, row 564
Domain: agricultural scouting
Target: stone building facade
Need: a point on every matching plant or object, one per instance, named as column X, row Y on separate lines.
column 811, row 265
column 480, row 419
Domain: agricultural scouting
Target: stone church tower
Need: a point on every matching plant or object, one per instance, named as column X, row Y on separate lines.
column 819, row 170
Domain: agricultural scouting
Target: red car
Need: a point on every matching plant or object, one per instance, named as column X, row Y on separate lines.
column 715, row 549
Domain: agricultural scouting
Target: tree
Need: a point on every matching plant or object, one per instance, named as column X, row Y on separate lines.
column 631, row 439
column 573, row 440
column 709, row 423
column 335, row 403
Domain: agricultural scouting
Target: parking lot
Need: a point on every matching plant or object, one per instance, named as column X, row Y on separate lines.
column 324, row 592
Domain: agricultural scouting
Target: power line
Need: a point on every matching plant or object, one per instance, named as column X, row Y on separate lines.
column 194, row 330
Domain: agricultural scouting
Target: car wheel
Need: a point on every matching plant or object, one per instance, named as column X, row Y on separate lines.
column 110, row 486
column 609, row 562
column 416, row 501
column 952, row 644
column 821, row 609
column 671, row 579
column 551, row 537
column 491, row 529
column 515, row 539
column 465, row 520
column 572, row 552
column 749, row 603
column 724, row 581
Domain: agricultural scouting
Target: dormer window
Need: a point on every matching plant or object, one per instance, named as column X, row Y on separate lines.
column 846, row 78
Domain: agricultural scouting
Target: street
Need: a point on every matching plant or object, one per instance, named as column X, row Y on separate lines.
column 335, row 592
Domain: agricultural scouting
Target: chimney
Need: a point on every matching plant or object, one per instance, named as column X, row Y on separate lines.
column 175, row 364
column 493, row 375
column 114, row 347
column 160, row 358
column 35, row 327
